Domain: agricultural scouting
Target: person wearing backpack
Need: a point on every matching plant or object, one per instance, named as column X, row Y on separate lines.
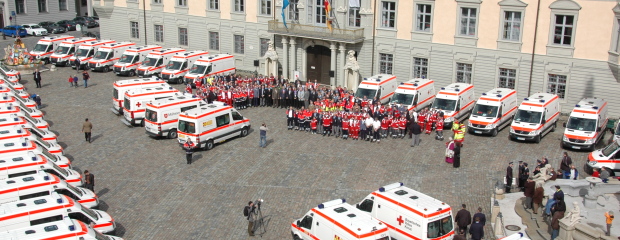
column 248, row 212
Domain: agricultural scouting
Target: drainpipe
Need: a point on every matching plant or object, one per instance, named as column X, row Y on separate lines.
column 144, row 15
column 529, row 87
column 374, row 26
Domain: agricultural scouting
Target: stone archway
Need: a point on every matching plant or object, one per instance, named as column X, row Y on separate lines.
column 351, row 71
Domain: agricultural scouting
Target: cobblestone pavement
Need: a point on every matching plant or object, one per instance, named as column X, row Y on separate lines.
column 146, row 186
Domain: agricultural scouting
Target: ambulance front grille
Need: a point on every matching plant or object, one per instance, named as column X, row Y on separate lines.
column 92, row 65
column 576, row 140
column 140, row 72
column 478, row 125
column 54, row 60
column 165, row 76
column 117, row 69
column 522, row 132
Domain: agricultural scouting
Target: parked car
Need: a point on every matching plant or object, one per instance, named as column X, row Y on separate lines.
column 96, row 19
column 85, row 21
column 14, row 31
column 53, row 27
column 35, row 29
column 68, row 24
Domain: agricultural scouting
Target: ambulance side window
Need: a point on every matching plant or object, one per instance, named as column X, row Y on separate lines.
column 236, row 116
column 222, row 120
column 188, row 108
column 159, row 62
column 111, row 55
column 617, row 155
column 136, row 59
column 366, row 205
column 415, row 99
column 306, row 222
column 71, row 50
column 184, row 66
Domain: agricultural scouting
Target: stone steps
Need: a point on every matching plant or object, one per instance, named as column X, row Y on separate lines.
column 537, row 228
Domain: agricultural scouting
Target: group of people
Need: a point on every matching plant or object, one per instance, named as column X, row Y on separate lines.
column 73, row 79
column 464, row 220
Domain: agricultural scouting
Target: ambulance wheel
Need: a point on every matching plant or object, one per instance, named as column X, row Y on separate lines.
column 494, row 132
column 537, row 139
column 244, row 132
column 106, row 69
column 209, row 145
column 132, row 73
column 295, row 237
column 555, row 124
column 172, row 134
column 142, row 123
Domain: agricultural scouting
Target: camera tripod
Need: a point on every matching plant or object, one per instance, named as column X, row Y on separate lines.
column 259, row 223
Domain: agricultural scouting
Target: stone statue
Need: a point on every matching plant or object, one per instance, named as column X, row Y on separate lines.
column 352, row 61
column 574, row 215
column 270, row 47
column 543, row 175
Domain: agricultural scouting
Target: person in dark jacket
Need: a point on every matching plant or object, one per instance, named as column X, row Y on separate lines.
column 508, row 177
column 565, row 165
column 463, row 218
column 539, row 193
column 558, row 213
column 530, row 186
column 37, row 77
column 481, row 216
column 460, row 236
column 416, row 130
column 477, row 230
column 457, row 155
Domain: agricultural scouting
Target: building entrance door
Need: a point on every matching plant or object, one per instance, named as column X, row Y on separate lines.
column 318, row 61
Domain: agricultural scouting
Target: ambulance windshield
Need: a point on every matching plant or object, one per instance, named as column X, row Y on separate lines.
column 62, row 50
column 126, row 58
column 40, row 48
column 440, row 227
column 198, row 69
column 607, row 151
column 187, row 127
column 174, row 65
column 82, row 52
column 403, row 98
column 101, row 55
column 151, row 62
column 74, row 190
column 581, row 124
column 368, row 93
column 100, row 236
column 151, row 115
column 482, row 110
column 444, row 104
column 528, row 116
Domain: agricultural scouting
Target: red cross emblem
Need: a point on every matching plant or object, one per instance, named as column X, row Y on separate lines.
column 138, row 104
column 166, row 115
column 400, row 220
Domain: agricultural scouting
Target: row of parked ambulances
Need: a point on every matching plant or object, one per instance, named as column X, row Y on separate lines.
column 40, row 193
column 165, row 112
column 175, row 65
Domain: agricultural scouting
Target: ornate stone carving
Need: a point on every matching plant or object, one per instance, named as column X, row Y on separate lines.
column 271, row 52
column 352, row 62
column 573, row 217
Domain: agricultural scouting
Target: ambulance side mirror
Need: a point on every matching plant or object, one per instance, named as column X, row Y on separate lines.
column 598, row 129
column 357, row 206
column 298, row 223
column 564, row 124
column 544, row 121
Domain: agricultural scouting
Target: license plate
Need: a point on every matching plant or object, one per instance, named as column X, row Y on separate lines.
column 478, row 132
column 575, row 147
column 181, row 136
column 520, row 138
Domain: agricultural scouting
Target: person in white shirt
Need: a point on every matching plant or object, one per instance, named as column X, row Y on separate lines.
column 573, row 172
column 368, row 122
column 376, row 125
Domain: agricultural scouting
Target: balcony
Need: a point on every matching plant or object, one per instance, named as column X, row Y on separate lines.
column 316, row 32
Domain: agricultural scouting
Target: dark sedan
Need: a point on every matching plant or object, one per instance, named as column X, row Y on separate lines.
column 86, row 21
column 52, row 27
column 68, row 24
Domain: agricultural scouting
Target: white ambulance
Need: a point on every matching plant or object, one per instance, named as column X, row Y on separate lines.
column 85, row 53
column 339, row 220
column 27, row 131
column 46, row 45
column 65, row 229
column 24, row 146
column 20, row 96
column 67, row 49
column 16, row 88
column 33, row 122
column 455, row 101
column 20, row 102
column 122, row 86
column 17, row 106
column 211, row 65
column 608, row 157
column 134, row 104
column 18, row 132
column 132, row 58
column 415, row 94
column 536, row 116
column 29, row 163
column 493, row 111
column 586, row 124
column 40, row 184
column 381, row 86
column 156, row 61
column 11, row 75
column 179, row 65
column 211, row 124
column 46, row 209
column 409, row 214
column 107, row 55
column 13, row 121
column 162, row 115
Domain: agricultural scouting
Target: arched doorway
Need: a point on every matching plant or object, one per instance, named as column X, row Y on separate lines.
column 317, row 63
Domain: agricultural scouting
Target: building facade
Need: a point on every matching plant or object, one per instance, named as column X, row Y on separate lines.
column 566, row 47
column 19, row 12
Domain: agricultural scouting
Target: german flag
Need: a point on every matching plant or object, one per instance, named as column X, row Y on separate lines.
column 328, row 9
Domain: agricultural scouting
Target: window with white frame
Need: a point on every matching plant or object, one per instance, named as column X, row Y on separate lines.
column 556, row 84
column 563, row 29
column 239, row 5
column 62, row 5
column 355, row 19
column 265, row 7
column 388, row 14
column 20, row 6
column 423, row 17
column 159, row 33
column 420, row 67
column 214, row 40
column 463, row 72
column 468, row 21
column 181, row 3
column 42, row 4
column 239, row 41
column 134, row 27
column 512, row 26
column 319, row 8
column 214, row 4
column 264, row 45
column 293, row 11
column 386, row 63
column 507, row 78
column 183, row 41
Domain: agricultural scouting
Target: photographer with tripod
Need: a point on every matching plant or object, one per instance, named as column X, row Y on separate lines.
column 254, row 215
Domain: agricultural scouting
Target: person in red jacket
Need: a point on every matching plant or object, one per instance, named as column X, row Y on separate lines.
column 421, row 118
column 353, row 128
column 430, row 119
column 394, row 126
column 439, row 126
column 188, row 88
column 345, row 128
column 327, row 124
column 402, row 124
column 313, row 125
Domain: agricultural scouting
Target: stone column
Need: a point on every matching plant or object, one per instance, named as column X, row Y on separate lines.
column 332, row 66
column 89, row 8
column 293, row 56
column 340, row 74
column 285, row 57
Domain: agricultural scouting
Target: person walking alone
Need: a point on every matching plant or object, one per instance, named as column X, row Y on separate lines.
column 87, row 128
column 263, row 135
column 89, row 180
column 416, row 130
column 37, row 77
column 609, row 218
column 189, row 149
column 85, row 77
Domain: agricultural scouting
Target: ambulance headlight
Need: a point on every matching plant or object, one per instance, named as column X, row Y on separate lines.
column 592, row 163
column 450, row 119
column 564, row 138
column 512, row 130
column 489, row 126
column 589, row 141
column 533, row 133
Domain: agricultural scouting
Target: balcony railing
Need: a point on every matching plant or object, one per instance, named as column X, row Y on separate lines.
column 316, row 32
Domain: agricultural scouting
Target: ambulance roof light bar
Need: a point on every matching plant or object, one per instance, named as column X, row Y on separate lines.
column 390, row 186
column 32, row 155
column 69, row 223
column 332, row 203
